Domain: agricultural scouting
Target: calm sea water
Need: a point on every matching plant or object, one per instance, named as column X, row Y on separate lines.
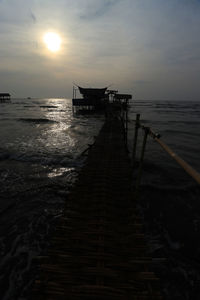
column 40, row 155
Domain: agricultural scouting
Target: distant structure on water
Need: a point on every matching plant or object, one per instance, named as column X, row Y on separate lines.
column 96, row 99
column 4, row 97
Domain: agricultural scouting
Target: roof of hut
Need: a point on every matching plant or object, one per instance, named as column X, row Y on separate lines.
column 92, row 92
column 4, row 94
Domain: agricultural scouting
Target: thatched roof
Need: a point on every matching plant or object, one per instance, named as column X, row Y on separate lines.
column 92, row 92
column 4, row 95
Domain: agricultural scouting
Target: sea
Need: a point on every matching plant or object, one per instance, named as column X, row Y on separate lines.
column 42, row 150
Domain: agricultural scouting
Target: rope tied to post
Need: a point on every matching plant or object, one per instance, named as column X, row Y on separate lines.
column 156, row 136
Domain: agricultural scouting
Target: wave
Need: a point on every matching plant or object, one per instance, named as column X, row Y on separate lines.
column 48, row 106
column 184, row 122
column 67, row 160
column 30, row 120
column 29, row 105
column 164, row 190
column 5, row 119
column 180, row 132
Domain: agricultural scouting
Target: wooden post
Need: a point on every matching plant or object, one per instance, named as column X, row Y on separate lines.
column 72, row 101
column 139, row 176
column 126, row 127
column 137, row 124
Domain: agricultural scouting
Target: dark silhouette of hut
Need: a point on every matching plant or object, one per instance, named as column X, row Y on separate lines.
column 93, row 98
column 4, row 97
column 91, row 93
column 96, row 99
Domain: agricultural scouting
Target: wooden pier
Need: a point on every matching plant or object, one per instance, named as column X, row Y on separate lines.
column 98, row 250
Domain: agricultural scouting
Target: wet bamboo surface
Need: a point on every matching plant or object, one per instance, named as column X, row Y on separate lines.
column 98, row 249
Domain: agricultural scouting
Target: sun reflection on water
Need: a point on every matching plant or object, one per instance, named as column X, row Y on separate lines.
column 57, row 137
column 59, row 172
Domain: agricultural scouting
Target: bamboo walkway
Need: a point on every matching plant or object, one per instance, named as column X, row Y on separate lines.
column 98, row 249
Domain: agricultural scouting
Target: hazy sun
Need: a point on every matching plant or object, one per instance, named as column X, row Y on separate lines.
column 52, row 41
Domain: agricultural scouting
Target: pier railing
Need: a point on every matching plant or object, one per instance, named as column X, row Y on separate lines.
column 149, row 132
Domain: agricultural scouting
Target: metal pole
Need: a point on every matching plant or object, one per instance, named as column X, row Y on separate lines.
column 137, row 122
column 138, row 180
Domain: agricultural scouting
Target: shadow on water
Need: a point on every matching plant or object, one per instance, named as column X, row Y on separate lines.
column 172, row 224
column 169, row 202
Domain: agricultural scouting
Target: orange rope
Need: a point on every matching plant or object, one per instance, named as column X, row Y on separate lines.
column 180, row 161
column 192, row 172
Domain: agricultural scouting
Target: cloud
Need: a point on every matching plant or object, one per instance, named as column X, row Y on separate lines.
column 97, row 9
column 136, row 44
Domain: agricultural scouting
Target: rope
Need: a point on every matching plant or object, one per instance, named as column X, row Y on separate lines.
column 192, row 172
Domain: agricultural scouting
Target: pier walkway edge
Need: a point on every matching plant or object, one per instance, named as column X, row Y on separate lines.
column 98, row 249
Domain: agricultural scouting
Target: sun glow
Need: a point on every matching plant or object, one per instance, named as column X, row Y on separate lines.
column 52, row 41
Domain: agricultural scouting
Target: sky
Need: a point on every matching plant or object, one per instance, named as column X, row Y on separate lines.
column 149, row 48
